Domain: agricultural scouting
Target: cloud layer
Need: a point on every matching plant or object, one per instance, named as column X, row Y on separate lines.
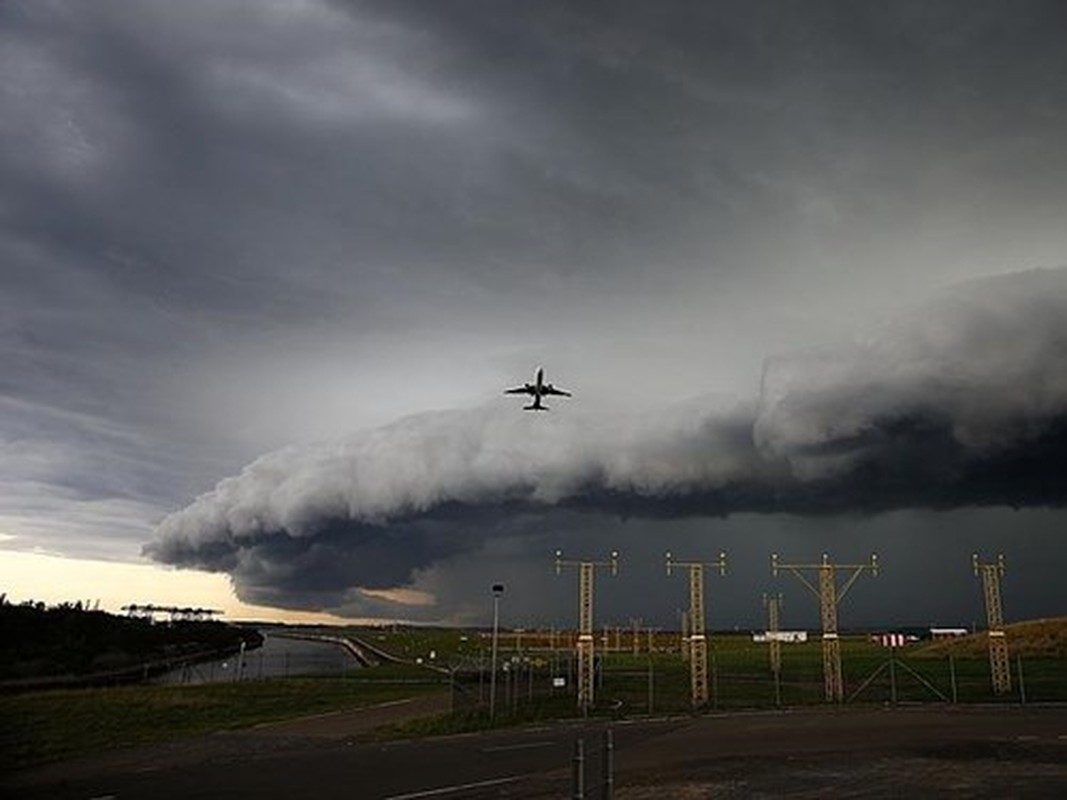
column 960, row 404
column 230, row 226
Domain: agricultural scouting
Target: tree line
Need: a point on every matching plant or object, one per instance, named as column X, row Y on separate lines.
column 71, row 639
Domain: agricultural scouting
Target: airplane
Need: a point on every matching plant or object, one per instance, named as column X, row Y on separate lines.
column 538, row 389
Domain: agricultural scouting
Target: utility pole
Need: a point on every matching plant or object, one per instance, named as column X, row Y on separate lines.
column 999, row 664
column 698, row 642
column 635, row 623
column 829, row 599
column 586, row 571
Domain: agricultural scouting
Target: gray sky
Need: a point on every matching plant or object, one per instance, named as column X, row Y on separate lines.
column 800, row 263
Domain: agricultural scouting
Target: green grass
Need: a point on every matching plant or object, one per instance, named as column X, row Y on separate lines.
column 740, row 672
column 52, row 725
column 435, row 646
column 740, row 678
column 47, row 726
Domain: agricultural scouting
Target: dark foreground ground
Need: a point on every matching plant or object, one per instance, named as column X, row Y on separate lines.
column 982, row 752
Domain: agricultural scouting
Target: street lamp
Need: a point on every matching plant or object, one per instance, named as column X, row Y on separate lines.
column 498, row 590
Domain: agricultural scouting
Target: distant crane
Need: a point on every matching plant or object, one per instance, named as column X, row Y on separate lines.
column 149, row 610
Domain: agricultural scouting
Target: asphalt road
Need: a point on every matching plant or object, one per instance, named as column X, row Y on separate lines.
column 982, row 752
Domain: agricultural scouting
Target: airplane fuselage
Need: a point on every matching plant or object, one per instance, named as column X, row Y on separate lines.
column 537, row 390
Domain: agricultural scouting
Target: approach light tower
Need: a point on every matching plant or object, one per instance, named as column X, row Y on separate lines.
column 999, row 666
column 773, row 603
column 698, row 642
column 586, row 570
column 829, row 599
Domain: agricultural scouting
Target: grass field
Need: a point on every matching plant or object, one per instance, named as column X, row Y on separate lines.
column 46, row 726
column 956, row 671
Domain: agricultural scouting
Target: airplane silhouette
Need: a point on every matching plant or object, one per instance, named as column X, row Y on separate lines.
column 538, row 389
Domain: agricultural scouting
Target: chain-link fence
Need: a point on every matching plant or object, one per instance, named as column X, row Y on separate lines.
column 541, row 681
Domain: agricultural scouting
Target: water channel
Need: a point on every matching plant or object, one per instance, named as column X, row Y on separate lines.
column 279, row 657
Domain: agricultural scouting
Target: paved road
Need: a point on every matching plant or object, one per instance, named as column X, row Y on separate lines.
column 967, row 752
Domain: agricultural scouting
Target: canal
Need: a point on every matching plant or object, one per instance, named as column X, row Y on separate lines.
column 279, row 657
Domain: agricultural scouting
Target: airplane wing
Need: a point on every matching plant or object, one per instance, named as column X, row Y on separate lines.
column 548, row 388
column 527, row 389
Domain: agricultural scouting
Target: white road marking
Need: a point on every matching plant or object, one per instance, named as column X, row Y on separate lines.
column 526, row 746
column 456, row 788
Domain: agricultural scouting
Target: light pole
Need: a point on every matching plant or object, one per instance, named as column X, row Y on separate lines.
column 498, row 590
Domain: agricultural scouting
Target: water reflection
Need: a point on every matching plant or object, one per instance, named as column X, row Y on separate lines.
column 279, row 657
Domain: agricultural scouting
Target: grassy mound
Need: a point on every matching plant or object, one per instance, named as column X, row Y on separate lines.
column 1039, row 638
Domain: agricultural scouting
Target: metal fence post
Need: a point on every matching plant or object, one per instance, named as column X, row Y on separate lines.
column 651, row 684
column 714, row 681
column 893, row 675
column 952, row 678
column 609, row 765
column 1022, row 683
column 578, row 775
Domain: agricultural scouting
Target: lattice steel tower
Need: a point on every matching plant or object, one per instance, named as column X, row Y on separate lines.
column 999, row 665
column 586, row 570
column 829, row 599
column 698, row 642
column 773, row 602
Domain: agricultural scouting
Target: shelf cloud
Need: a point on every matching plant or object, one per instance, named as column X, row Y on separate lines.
column 230, row 230
column 961, row 403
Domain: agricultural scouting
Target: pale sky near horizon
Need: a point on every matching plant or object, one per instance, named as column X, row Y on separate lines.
column 266, row 267
column 110, row 585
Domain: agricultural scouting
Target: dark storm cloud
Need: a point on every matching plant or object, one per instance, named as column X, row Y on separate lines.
column 262, row 165
column 961, row 404
column 231, row 224
column 172, row 180
column 662, row 123
column 434, row 143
